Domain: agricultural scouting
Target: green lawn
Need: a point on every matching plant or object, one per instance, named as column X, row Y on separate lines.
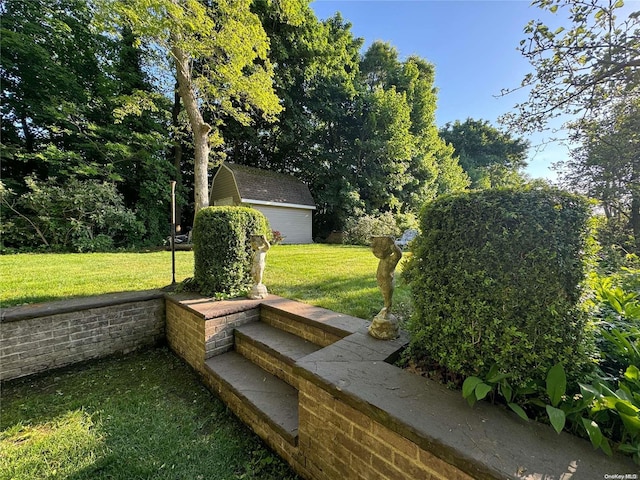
column 143, row 416
column 341, row 278
column 146, row 415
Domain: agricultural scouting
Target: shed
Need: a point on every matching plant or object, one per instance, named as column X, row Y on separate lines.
column 283, row 199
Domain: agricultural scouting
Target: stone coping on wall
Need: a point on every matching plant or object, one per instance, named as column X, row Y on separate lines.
column 206, row 308
column 486, row 441
column 35, row 310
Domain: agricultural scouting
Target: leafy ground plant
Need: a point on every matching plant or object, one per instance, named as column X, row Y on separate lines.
column 145, row 415
column 605, row 407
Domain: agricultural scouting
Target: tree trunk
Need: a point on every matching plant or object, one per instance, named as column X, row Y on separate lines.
column 635, row 219
column 199, row 128
column 29, row 139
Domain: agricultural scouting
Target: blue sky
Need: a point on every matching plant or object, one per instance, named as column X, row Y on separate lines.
column 473, row 45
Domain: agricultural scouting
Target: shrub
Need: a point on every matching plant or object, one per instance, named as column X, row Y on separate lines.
column 222, row 248
column 497, row 278
column 617, row 310
column 78, row 215
column 358, row 231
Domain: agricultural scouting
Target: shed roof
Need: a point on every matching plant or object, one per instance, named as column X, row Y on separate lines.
column 268, row 186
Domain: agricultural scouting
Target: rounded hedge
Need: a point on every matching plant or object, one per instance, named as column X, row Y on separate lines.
column 222, row 248
column 497, row 277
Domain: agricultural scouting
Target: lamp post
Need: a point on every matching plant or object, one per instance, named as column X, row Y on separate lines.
column 173, row 232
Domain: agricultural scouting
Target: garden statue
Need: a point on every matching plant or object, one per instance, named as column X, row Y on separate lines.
column 385, row 325
column 259, row 245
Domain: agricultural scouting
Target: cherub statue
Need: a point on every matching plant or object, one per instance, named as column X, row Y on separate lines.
column 260, row 245
column 384, row 325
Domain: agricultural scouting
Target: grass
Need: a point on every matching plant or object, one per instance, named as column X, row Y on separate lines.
column 146, row 415
column 142, row 416
column 31, row 278
column 338, row 277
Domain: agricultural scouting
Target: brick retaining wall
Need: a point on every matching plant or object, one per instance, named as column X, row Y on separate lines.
column 360, row 417
column 196, row 335
column 37, row 338
column 340, row 441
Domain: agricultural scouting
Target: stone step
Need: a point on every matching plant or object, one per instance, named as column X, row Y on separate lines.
column 274, row 350
column 261, row 400
column 318, row 325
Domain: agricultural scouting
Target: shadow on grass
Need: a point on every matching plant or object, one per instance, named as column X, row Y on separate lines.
column 146, row 415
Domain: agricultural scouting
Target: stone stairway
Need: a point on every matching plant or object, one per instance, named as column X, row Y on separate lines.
column 324, row 395
column 257, row 379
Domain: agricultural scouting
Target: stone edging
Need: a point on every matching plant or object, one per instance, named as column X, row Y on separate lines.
column 486, row 441
column 35, row 310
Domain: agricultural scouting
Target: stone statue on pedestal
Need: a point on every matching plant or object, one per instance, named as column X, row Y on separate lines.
column 385, row 325
column 260, row 246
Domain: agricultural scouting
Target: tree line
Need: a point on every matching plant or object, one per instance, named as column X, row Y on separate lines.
column 105, row 101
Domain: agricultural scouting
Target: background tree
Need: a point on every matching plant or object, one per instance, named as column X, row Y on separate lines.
column 144, row 169
column 579, row 69
column 67, row 128
column 490, row 157
column 219, row 53
column 51, row 128
column 315, row 68
column 589, row 71
column 401, row 162
column 359, row 129
column 606, row 166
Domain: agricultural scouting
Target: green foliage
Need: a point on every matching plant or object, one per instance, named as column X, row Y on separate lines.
column 475, row 388
column 359, row 230
column 605, row 166
column 219, row 53
column 81, row 216
column 370, row 120
column 400, row 161
column 66, row 127
column 578, row 70
column 497, row 278
column 606, row 407
column 490, row 157
column 222, row 248
column 618, row 314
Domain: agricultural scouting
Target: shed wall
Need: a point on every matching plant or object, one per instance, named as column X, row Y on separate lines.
column 293, row 223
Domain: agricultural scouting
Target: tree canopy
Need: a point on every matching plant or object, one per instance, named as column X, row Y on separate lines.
column 581, row 68
column 491, row 157
column 606, row 166
column 588, row 71
column 219, row 53
column 262, row 83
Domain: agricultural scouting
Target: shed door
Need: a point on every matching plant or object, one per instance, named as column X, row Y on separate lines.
column 293, row 223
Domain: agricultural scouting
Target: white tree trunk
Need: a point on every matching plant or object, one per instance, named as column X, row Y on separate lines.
column 199, row 128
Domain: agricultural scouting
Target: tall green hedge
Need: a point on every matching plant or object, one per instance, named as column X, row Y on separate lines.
column 496, row 278
column 222, row 248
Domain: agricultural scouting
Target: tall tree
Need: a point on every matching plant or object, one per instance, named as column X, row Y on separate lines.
column 606, row 165
column 315, row 68
column 219, row 52
column 67, row 90
column 491, row 157
column 53, row 91
column 589, row 71
column 142, row 112
column 415, row 161
column 579, row 70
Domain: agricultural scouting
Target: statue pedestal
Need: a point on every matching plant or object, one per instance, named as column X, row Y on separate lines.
column 258, row 292
column 384, row 326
